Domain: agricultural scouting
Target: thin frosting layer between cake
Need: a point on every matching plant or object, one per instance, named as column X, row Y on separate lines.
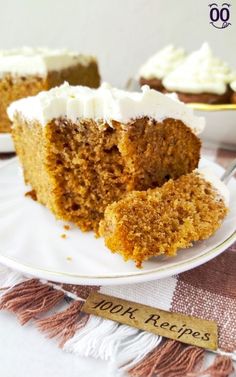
column 39, row 61
column 201, row 72
column 104, row 103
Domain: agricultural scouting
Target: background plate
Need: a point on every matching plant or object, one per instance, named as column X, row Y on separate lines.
column 6, row 143
column 31, row 242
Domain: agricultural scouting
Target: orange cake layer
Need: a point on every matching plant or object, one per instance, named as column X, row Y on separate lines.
column 76, row 170
column 77, row 164
column 13, row 88
column 161, row 221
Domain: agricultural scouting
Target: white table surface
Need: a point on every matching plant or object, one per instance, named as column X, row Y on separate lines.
column 25, row 352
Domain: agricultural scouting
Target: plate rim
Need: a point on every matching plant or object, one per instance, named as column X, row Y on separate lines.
column 119, row 279
column 212, row 107
column 135, row 277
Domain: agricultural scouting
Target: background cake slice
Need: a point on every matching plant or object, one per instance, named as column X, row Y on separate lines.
column 163, row 220
column 27, row 71
column 201, row 77
column 159, row 65
column 81, row 149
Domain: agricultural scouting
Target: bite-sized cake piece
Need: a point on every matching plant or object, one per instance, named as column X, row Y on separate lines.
column 159, row 65
column 200, row 78
column 27, row 71
column 81, row 149
column 161, row 221
column 233, row 87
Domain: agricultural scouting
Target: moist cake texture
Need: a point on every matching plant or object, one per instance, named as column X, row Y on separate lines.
column 25, row 72
column 161, row 221
column 82, row 149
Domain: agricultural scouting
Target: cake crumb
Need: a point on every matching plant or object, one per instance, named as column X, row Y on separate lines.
column 67, row 227
column 32, row 194
column 63, row 235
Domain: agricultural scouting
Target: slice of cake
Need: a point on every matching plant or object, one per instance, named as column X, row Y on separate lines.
column 27, row 71
column 159, row 65
column 163, row 220
column 200, row 78
column 81, row 149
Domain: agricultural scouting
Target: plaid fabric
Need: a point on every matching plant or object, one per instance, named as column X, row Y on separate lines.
column 207, row 292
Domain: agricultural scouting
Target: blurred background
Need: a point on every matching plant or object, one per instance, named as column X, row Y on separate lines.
column 121, row 33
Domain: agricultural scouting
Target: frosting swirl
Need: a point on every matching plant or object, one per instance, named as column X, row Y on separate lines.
column 200, row 72
column 163, row 62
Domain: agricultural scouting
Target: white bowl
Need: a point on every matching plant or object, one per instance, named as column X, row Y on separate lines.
column 220, row 123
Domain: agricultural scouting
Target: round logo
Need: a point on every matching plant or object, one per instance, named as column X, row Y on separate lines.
column 219, row 15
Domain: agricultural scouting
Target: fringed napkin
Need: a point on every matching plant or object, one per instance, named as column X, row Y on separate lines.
column 207, row 292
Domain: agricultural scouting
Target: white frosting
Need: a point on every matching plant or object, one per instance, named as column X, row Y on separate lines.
column 219, row 186
column 32, row 61
column 200, row 72
column 163, row 62
column 104, row 103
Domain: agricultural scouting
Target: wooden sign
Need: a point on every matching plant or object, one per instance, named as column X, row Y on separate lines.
column 186, row 329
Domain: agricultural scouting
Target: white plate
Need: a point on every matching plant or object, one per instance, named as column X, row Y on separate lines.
column 6, row 143
column 30, row 242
